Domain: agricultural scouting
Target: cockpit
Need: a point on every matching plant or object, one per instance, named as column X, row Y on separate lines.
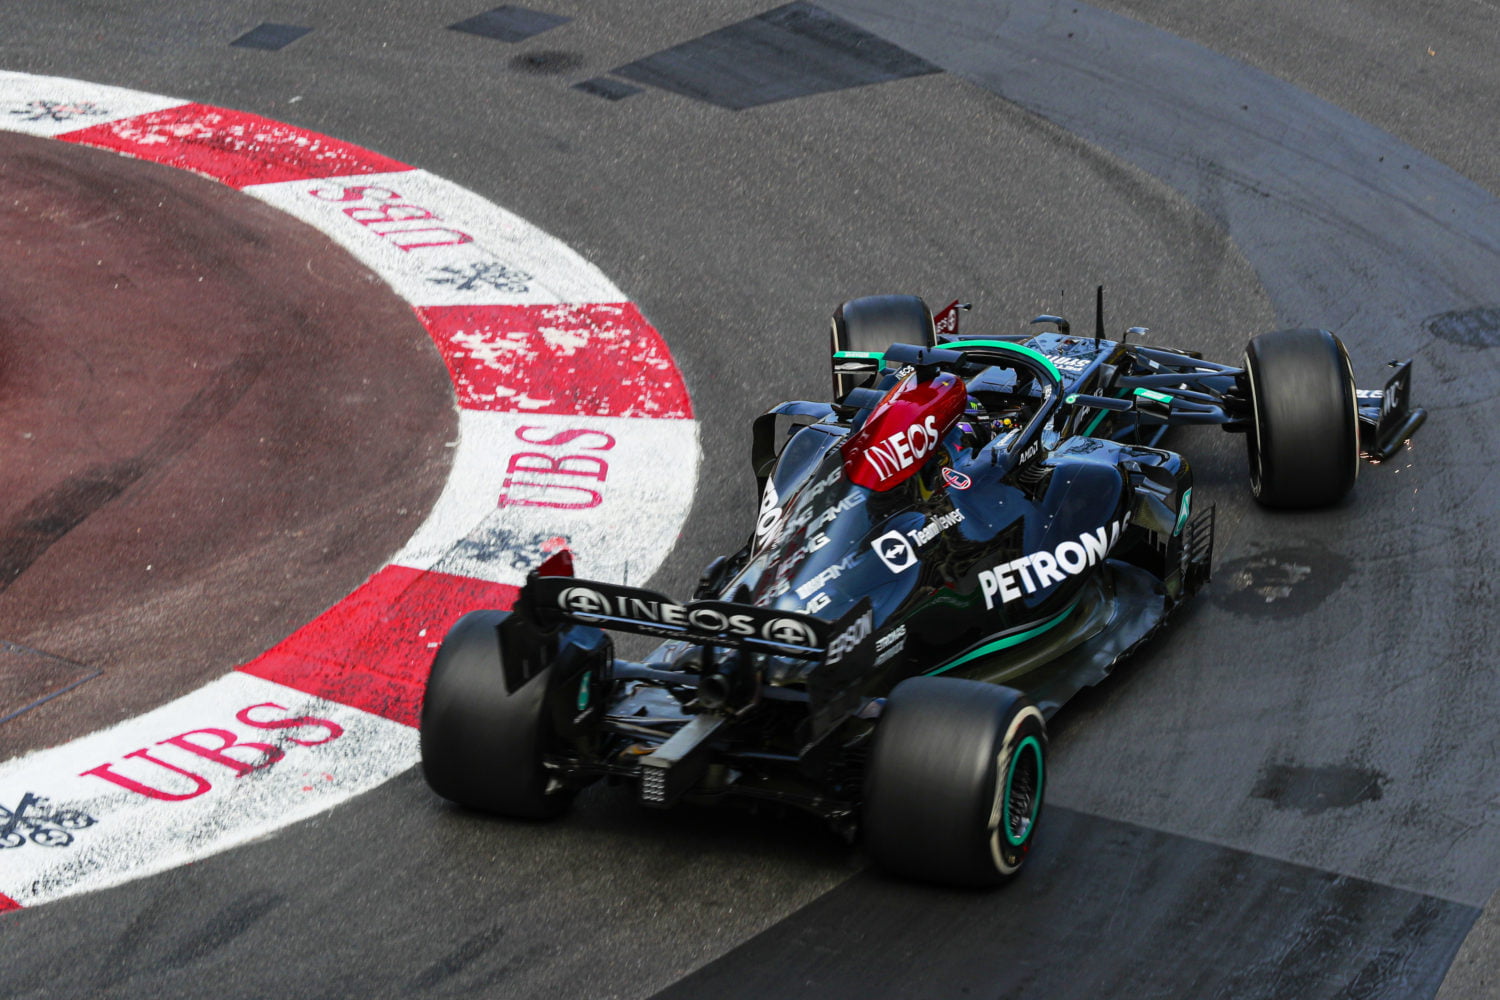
column 1011, row 398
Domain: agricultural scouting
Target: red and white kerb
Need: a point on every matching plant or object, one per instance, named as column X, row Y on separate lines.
column 573, row 418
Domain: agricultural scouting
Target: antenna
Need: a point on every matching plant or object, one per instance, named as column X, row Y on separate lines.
column 1098, row 315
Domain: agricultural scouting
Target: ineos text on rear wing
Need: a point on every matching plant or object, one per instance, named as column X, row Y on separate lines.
column 754, row 629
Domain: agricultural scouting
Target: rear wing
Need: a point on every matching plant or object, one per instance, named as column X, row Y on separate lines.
column 840, row 654
column 563, row 599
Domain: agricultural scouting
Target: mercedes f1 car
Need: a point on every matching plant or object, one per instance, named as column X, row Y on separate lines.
column 973, row 529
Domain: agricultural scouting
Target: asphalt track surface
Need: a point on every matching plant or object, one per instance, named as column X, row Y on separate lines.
column 1292, row 795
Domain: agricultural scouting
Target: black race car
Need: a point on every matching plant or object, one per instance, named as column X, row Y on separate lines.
column 971, row 531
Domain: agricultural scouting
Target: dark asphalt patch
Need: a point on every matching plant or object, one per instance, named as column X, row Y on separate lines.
column 1136, row 902
column 546, row 63
column 790, row 52
column 610, row 90
column 509, row 23
column 1313, row 790
column 29, row 678
column 270, row 37
column 1282, row 583
column 1470, row 327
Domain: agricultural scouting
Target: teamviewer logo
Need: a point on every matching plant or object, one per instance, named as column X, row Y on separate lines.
column 895, row 551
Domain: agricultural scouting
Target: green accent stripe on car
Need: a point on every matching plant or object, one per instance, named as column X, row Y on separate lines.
column 1154, row 396
column 877, row 355
column 1007, row 642
column 1005, row 345
column 1184, row 511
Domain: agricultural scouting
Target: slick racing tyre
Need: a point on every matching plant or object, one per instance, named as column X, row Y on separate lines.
column 483, row 745
column 1304, row 437
column 872, row 324
column 954, row 786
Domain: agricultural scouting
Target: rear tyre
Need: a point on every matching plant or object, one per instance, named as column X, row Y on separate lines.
column 954, row 787
column 873, row 323
column 482, row 744
column 1304, row 439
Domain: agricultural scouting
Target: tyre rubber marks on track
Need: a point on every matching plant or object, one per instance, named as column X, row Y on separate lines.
column 232, row 760
column 573, row 420
column 793, row 51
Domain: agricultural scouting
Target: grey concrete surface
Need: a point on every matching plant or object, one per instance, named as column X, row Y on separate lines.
column 1475, row 972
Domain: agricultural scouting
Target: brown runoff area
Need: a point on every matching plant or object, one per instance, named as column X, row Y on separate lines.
column 214, row 424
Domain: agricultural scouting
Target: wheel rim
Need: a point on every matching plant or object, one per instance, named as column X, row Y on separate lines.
column 1018, row 803
column 1022, row 796
column 1253, row 437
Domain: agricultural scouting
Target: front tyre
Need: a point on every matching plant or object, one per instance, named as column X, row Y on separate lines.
column 953, row 791
column 482, row 744
column 1304, row 436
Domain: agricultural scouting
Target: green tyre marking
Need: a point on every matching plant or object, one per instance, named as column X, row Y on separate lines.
column 1008, row 820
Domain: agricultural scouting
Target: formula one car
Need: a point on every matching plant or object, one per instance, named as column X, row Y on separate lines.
column 971, row 531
